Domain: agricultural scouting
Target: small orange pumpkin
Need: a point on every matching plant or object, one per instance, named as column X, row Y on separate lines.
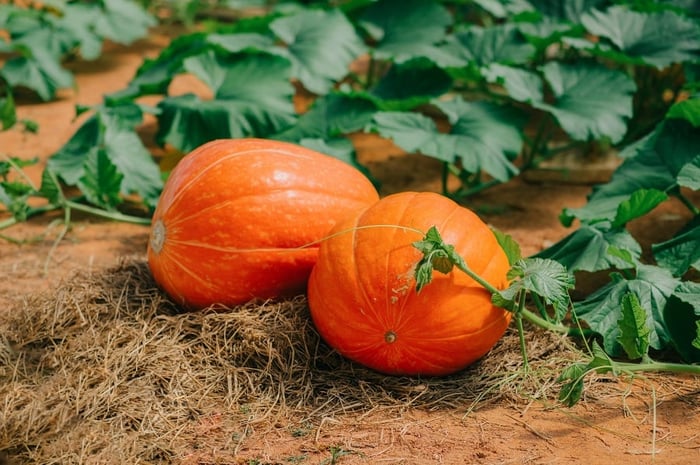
column 236, row 217
column 362, row 290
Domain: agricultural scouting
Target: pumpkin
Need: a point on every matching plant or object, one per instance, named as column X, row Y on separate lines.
column 240, row 219
column 362, row 290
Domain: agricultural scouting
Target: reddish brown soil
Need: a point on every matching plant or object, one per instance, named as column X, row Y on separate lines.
column 648, row 421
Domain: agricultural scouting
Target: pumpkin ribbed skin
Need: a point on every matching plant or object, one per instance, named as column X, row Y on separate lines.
column 362, row 289
column 234, row 213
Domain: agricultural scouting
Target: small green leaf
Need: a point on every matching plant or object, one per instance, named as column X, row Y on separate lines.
column 509, row 246
column 101, row 181
column 437, row 256
column 682, row 251
column 688, row 110
column 634, row 332
column 639, row 204
column 548, row 279
column 8, row 114
column 572, row 383
column 50, row 187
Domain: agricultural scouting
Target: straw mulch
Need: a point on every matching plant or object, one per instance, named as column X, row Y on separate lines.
column 105, row 369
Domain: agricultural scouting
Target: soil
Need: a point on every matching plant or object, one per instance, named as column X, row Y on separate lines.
column 646, row 420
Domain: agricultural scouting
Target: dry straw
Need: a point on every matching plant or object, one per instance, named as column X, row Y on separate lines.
column 105, row 369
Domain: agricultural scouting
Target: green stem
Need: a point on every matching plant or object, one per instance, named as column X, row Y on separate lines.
column 557, row 328
column 518, row 314
column 487, row 285
column 478, row 188
column 654, row 366
column 111, row 215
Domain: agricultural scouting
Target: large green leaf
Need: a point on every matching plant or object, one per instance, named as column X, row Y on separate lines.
column 155, row 74
column 591, row 101
column 602, row 311
column 689, row 175
column 123, row 21
column 594, row 248
column 252, row 97
column 331, row 116
column 483, row 136
column 321, row 46
column 404, row 29
column 674, row 144
column 495, row 44
column 409, row 84
column 659, row 38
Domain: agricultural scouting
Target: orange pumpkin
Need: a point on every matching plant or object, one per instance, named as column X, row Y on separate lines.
column 362, row 290
column 236, row 217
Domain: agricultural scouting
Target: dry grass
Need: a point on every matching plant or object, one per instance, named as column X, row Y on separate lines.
column 106, row 369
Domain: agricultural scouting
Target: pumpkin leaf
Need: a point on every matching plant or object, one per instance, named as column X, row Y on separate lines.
column 571, row 379
column 634, row 332
column 682, row 251
column 591, row 101
column 682, row 318
column 546, row 278
column 407, row 29
column 595, row 247
column 483, row 136
column 252, row 97
column 520, row 84
column 656, row 38
column 502, row 43
column 509, row 246
column 101, row 180
column 321, row 46
column 656, row 165
column 601, row 310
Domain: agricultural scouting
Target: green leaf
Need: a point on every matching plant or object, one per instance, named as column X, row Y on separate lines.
column 591, row 101
column 101, row 181
column 123, row 21
column 404, row 29
column 509, row 246
column 682, row 310
column 112, row 129
column 659, row 39
column 682, row 251
column 502, row 43
column 41, row 73
column 155, row 75
column 634, row 333
column 437, row 256
column 689, row 175
column 504, row 8
column 50, row 188
column 483, row 136
column 521, row 85
column 602, row 310
column 8, row 114
column 321, row 45
column 548, row 279
column 638, row 204
column 595, row 247
column 656, row 165
column 252, row 97
column 687, row 109
column 571, row 379
column 409, row 84
column 331, row 116
column 568, row 10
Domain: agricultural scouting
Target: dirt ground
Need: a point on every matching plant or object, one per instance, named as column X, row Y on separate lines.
column 645, row 421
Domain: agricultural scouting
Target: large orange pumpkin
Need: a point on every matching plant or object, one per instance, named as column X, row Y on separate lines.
column 236, row 217
column 362, row 291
